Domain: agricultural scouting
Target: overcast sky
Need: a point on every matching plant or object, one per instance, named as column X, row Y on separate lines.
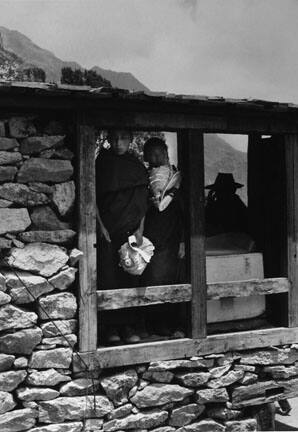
column 232, row 48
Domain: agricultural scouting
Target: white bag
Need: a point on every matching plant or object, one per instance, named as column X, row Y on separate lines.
column 134, row 259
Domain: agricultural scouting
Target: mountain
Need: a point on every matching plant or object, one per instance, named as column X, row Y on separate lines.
column 220, row 156
column 20, row 45
column 18, row 49
column 124, row 80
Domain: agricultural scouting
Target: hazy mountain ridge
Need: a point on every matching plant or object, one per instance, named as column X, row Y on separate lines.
column 18, row 48
column 32, row 54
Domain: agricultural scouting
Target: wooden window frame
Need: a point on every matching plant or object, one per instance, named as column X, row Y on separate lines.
column 190, row 140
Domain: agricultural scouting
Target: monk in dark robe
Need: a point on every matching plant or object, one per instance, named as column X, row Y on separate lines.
column 121, row 195
column 121, row 189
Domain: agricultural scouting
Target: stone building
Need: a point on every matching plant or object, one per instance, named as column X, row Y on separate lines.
column 55, row 373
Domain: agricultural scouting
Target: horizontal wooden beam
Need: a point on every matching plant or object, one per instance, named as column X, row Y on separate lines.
column 143, row 296
column 247, row 288
column 146, row 296
column 222, row 120
column 181, row 348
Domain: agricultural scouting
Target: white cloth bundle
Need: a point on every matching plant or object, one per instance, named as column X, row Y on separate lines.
column 134, row 259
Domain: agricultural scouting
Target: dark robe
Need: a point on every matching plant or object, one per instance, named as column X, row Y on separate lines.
column 122, row 184
column 226, row 215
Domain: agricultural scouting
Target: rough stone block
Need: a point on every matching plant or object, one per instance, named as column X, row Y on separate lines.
column 37, row 144
column 7, row 173
column 18, row 420
column 45, row 170
column 41, row 258
column 248, row 378
column 56, row 358
column 55, row 237
column 12, row 317
column 65, row 340
column 74, row 408
column 162, row 376
column 59, row 327
column 14, row 220
column 21, row 363
column 40, row 394
column 117, row 386
column 185, row 414
column 212, row 396
column 206, row 425
column 74, row 256
column 222, row 413
column 219, row 371
column 6, row 362
column 21, row 127
column 226, row 380
column 146, row 420
column 120, row 412
column 193, row 379
column 24, row 287
column 20, row 342
column 281, row 372
column 5, row 203
column 10, row 158
column 4, row 298
column 64, row 197
column 57, row 306
column 45, row 219
column 247, row 425
column 79, row 387
column 10, row 380
column 7, row 143
column 7, row 402
column 41, row 188
column 64, row 279
column 22, row 195
column 2, row 129
column 160, row 394
column 49, row 377
column 64, row 427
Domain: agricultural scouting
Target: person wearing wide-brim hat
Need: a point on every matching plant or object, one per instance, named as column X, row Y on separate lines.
column 224, row 181
column 225, row 212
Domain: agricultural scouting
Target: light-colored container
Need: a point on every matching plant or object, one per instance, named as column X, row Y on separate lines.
column 234, row 267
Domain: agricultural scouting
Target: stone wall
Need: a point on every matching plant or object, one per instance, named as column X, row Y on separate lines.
column 37, row 268
column 38, row 325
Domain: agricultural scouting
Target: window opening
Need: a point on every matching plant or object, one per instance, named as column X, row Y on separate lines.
column 139, row 204
column 245, row 241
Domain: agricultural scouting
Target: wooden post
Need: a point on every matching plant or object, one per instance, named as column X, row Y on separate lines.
column 291, row 145
column 191, row 150
column 87, row 237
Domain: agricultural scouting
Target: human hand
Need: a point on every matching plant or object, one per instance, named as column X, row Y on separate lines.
column 139, row 237
column 105, row 234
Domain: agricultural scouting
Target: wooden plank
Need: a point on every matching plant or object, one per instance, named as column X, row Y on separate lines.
column 192, row 148
column 143, row 296
column 247, row 288
column 291, row 146
column 148, row 296
column 87, row 237
column 180, row 348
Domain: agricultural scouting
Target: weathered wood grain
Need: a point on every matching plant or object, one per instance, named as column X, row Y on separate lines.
column 87, row 237
column 180, row 348
column 291, row 147
column 146, row 296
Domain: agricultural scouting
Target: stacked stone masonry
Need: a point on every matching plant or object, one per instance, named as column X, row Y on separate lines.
column 39, row 391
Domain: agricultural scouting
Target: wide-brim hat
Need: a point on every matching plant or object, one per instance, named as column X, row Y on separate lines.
column 224, row 181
